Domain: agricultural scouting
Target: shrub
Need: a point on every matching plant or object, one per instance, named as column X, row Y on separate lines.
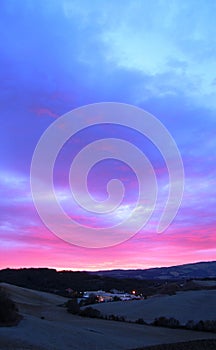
column 113, row 317
column 122, row 319
column 73, row 306
column 90, row 312
column 210, row 326
column 116, row 318
column 140, row 321
column 8, row 310
column 190, row 325
column 204, row 326
column 200, row 326
column 166, row 322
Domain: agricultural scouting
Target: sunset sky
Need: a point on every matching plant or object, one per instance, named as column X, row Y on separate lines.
column 57, row 55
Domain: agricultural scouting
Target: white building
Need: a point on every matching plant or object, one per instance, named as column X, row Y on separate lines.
column 105, row 296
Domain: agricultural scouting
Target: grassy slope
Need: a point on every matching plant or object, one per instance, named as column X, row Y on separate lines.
column 191, row 345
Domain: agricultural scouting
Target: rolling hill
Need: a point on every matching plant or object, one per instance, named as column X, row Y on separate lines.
column 187, row 271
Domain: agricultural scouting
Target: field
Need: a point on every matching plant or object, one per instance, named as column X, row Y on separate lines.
column 191, row 345
column 58, row 330
column 184, row 306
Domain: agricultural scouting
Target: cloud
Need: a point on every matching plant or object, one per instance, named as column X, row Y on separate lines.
column 59, row 55
column 171, row 43
column 45, row 112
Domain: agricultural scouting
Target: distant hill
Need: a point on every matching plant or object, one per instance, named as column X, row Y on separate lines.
column 147, row 282
column 187, row 271
column 50, row 280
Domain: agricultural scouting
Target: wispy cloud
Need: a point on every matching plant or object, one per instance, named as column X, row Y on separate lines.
column 57, row 55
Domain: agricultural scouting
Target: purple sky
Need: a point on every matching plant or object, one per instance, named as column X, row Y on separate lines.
column 60, row 55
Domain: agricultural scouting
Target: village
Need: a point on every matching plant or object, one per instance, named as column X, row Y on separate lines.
column 101, row 296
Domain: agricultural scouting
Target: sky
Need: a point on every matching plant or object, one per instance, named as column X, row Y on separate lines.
column 58, row 55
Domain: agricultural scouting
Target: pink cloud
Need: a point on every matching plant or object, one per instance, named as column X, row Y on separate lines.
column 45, row 112
column 36, row 246
column 25, row 241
